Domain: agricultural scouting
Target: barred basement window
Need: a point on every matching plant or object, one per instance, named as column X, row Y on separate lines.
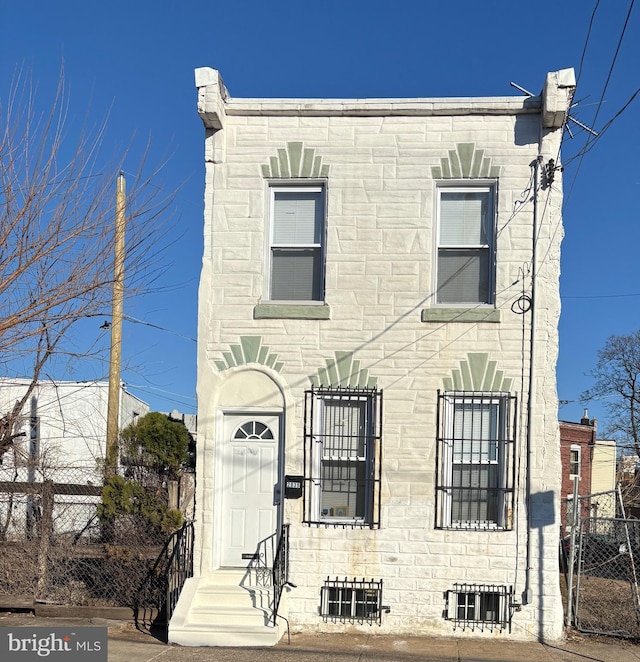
column 476, row 460
column 352, row 601
column 482, row 606
column 342, row 433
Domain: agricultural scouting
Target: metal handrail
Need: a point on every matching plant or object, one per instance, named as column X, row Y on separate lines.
column 179, row 566
column 280, row 572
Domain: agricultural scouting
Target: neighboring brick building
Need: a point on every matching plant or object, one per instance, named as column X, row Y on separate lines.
column 355, row 247
column 577, row 443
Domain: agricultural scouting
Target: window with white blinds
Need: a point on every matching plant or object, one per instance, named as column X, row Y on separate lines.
column 465, row 245
column 342, row 456
column 476, row 460
column 296, row 260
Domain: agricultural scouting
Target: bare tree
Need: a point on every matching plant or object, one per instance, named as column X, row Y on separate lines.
column 617, row 378
column 57, row 209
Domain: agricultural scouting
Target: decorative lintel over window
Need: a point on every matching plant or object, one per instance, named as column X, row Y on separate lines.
column 466, row 210
column 295, row 161
column 295, row 260
column 475, row 452
column 466, row 162
column 342, row 445
column 249, row 350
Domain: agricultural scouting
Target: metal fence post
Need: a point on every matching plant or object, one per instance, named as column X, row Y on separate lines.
column 45, row 536
column 572, row 551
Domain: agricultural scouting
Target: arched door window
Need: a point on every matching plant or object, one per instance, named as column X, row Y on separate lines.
column 253, row 430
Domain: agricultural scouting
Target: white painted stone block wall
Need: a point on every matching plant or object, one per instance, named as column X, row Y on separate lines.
column 379, row 277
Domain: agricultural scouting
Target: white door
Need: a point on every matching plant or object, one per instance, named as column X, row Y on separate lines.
column 249, row 479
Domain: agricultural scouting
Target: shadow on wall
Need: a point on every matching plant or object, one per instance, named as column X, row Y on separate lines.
column 542, row 514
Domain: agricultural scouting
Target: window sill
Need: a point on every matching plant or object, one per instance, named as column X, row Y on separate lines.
column 341, row 523
column 473, row 526
column 293, row 311
column 460, row 315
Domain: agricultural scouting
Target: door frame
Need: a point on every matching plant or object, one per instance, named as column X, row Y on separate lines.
column 248, row 413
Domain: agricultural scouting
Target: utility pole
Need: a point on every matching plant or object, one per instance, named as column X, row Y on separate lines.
column 113, row 406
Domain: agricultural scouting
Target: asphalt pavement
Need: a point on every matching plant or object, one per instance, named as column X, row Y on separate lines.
column 128, row 644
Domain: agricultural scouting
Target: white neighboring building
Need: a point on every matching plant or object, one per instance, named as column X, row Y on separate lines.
column 64, row 427
column 352, row 248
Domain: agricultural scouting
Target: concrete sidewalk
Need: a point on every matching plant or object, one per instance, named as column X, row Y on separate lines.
column 126, row 644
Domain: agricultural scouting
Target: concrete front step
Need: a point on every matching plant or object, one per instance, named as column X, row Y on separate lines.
column 205, row 635
column 212, row 611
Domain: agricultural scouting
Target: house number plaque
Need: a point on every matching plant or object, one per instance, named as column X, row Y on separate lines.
column 293, row 487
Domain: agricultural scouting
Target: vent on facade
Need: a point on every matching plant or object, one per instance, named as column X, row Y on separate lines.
column 482, row 606
column 352, row 601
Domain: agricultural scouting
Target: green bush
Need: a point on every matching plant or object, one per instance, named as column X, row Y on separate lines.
column 128, row 498
column 157, row 442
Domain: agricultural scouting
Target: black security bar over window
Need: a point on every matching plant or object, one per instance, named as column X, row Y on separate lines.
column 475, row 456
column 352, row 601
column 342, row 456
column 480, row 606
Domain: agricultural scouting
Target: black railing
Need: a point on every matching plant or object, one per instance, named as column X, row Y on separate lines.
column 280, row 572
column 157, row 596
column 180, row 565
column 260, row 566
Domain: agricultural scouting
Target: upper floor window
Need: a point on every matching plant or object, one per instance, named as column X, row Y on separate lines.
column 574, row 462
column 465, row 273
column 296, row 252
column 342, row 456
column 476, row 463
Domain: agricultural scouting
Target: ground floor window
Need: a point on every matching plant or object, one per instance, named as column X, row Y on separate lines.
column 483, row 606
column 342, row 452
column 476, row 460
column 352, row 601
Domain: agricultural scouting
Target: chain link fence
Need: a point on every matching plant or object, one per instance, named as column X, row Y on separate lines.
column 600, row 555
column 59, row 544
column 607, row 586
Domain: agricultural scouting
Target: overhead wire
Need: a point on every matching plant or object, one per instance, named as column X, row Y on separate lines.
column 591, row 139
column 586, row 41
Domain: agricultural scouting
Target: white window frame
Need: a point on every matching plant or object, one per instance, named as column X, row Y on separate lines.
column 363, row 462
column 575, row 449
column 480, row 605
column 274, row 189
column 489, row 187
column 569, row 512
column 475, row 607
column 351, row 601
column 496, row 458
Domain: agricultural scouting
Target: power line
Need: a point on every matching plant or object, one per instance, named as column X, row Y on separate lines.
column 586, row 41
column 591, row 139
column 601, row 296
column 128, row 318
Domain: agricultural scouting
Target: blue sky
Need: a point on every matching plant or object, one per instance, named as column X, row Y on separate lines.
column 134, row 61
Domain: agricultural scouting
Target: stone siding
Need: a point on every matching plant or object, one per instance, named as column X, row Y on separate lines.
column 380, row 247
